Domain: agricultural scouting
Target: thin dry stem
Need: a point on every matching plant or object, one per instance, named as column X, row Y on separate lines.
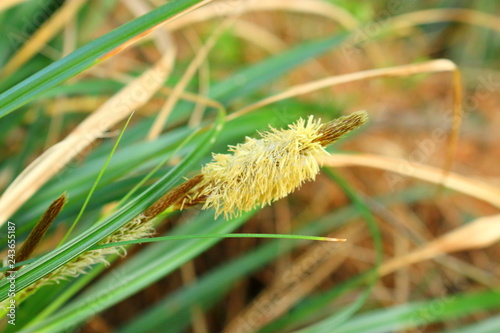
column 203, row 77
column 56, row 121
column 259, row 36
column 87, row 104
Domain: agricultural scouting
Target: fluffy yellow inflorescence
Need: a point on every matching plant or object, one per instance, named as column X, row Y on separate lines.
column 264, row 170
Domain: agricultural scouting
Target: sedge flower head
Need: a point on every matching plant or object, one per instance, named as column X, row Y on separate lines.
column 260, row 171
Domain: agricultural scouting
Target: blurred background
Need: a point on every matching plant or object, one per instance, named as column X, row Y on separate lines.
column 420, row 256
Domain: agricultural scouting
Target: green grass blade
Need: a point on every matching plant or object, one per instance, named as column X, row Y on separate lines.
column 96, row 182
column 203, row 236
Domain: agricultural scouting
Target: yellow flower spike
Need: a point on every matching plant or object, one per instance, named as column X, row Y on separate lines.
column 261, row 171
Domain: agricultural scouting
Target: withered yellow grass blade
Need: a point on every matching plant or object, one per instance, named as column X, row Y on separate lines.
column 480, row 233
column 259, row 36
column 87, row 104
column 459, row 183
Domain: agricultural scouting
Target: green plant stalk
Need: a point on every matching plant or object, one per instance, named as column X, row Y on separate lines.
column 412, row 315
column 201, row 236
column 96, row 182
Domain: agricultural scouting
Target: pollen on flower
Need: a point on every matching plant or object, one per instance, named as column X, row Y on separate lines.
column 260, row 171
